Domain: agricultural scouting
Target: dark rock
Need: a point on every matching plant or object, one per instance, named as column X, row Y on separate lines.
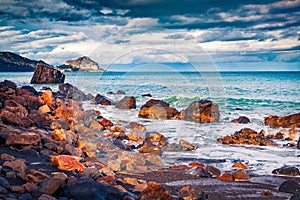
column 146, row 95
column 291, row 121
column 71, row 92
column 295, row 197
column 8, row 84
column 127, row 102
column 153, row 102
column 118, row 92
column 288, row 171
column 214, row 172
column 3, row 182
column 50, row 185
column 290, row 187
column 25, row 138
column 3, row 190
column 238, row 109
column 26, row 196
column 298, row 143
column 86, row 188
column 47, row 74
column 27, row 90
column 199, row 172
column 40, row 120
column 99, row 99
column 241, row 120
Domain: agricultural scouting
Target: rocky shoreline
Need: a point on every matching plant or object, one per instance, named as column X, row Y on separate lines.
column 51, row 148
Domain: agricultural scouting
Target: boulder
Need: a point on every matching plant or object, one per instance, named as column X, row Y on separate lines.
column 241, row 120
column 46, row 74
column 14, row 119
column 157, row 109
column 4, row 85
column 23, row 139
column 288, row 171
column 128, row 102
column 292, row 121
column 86, row 188
column 155, row 191
column 203, row 111
column 290, row 187
column 102, row 100
column 68, row 163
column 71, row 92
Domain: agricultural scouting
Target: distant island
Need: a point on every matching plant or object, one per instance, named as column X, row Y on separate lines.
column 11, row 62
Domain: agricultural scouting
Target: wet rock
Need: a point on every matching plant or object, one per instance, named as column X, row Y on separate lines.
column 247, row 136
column 50, row 185
column 128, row 102
column 239, row 165
column 240, row 176
column 102, row 100
column 23, row 139
column 86, row 189
column 146, row 95
column 295, row 197
column 155, row 137
column 194, row 192
column 241, row 120
column 199, row 172
column 298, row 143
column 104, row 122
column 155, row 191
column 67, row 163
column 290, row 187
column 47, row 74
column 137, row 131
column 186, row 146
column 149, row 147
column 203, row 111
column 286, row 121
column 226, row 177
column 156, row 109
column 213, row 171
column 118, row 92
column 288, row 171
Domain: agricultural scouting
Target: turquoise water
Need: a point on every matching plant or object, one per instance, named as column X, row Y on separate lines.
column 258, row 94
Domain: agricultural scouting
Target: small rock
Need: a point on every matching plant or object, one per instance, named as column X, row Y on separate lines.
column 50, row 185
column 7, row 157
column 3, row 190
column 213, row 171
column 288, row 171
column 16, row 189
column 26, row 196
column 186, row 146
column 68, row 163
column 192, row 193
column 239, row 165
column 59, row 134
column 290, row 187
column 128, row 102
column 46, row 197
column 155, row 137
column 241, row 120
column 104, row 122
column 155, row 191
column 73, row 150
column 266, row 193
column 298, row 143
column 16, row 165
column 96, row 125
column 30, row 187
column 199, row 172
column 226, row 177
column 146, row 95
column 240, row 176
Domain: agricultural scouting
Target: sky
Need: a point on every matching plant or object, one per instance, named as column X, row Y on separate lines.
column 235, row 35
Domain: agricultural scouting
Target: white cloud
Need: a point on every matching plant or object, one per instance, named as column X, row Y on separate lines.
column 142, row 22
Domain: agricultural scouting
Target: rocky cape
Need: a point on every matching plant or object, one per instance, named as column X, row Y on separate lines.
column 11, row 62
column 82, row 64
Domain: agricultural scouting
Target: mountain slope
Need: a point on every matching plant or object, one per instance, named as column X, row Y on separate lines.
column 11, row 62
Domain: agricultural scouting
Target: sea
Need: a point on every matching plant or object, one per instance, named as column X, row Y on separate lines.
column 252, row 94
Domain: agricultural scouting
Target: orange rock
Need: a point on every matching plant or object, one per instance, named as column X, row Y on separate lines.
column 105, row 122
column 179, row 167
column 59, row 135
column 68, row 163
column 241, row 176
column 96, row 125
column 44, row 109
column 157, row 137
column 196, row 164
column 48, row 99
column 239, row 165
column 266, row 193
column 226, row 177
